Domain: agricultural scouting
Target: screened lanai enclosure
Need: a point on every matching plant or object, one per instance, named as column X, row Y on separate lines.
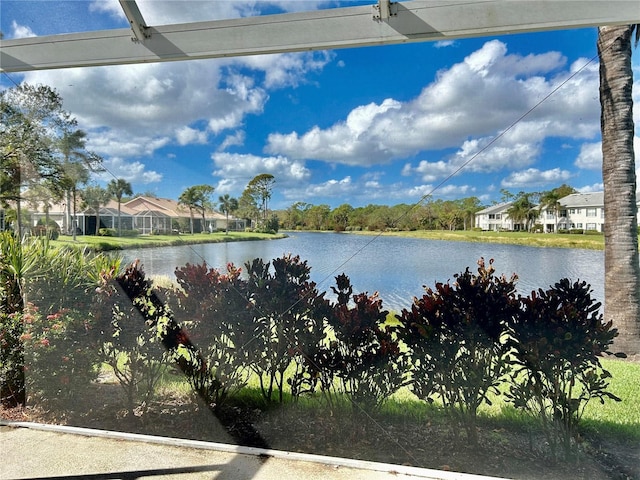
column 256, row 354
column 152, row 222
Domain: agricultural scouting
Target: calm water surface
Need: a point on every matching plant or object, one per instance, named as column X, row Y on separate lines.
column 395, row 267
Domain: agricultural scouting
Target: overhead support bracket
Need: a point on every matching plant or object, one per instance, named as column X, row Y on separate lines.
column 140, row 29
column 384, row 9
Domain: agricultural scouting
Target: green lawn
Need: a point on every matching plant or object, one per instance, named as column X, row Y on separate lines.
column 588, row 242
column 119, row 243
column 614, row 419
column 617, row 418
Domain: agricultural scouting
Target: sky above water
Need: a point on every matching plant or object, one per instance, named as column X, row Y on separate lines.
column 381, row 125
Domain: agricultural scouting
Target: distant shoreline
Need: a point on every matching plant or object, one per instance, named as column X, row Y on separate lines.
column 541, row 240
column 107, row 244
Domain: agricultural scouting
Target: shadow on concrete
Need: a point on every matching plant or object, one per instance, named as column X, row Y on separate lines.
column 133, row 475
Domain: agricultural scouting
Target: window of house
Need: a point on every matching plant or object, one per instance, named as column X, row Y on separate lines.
column 592, row 212
column 578, row 225
column 591, row 226
column 563, row 213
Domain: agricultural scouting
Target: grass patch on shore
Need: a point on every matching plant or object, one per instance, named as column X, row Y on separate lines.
column 587, row 242
column 103, row 244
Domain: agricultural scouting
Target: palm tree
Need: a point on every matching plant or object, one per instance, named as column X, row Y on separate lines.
column 551, row 202
column 522, row 211
column 119, row 188
column 74, row 175
column 622, row 267
column 95, row 197
column 77, row 166
column 228, row 205
column 188, row 199
column 197, row 198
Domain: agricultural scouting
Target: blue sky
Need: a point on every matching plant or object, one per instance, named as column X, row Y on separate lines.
column 382, row 125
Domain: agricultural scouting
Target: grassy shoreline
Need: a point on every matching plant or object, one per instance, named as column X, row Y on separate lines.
column 543, row 240
column 104, row 244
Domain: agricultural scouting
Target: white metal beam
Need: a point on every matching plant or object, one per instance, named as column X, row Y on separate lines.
column 136, row 20
column 419, row 20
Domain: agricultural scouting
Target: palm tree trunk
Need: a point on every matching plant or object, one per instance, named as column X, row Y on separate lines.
column 98, row 221
column 119, row 222
column 19, row 218
column 67, row 215
column 73, row 218
column 622, row 267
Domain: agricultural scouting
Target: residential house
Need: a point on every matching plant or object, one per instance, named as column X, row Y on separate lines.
column 146, row 215
column 494, row 218
column 582, row 211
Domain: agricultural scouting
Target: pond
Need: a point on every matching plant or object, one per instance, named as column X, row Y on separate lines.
column 395, row 267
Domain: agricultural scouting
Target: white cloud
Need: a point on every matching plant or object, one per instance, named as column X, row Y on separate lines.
column 288, row 69
column 464, row 107
column 157, row 12
column 329, row 189
column 136, row 107
column 132, row 172
column 123, row 144
column 532, row 177
column 590, row 156
column 235, row 139
column 596, row 187
column 236, row 170
column 444, row 44
column 351, row 142
column 111, row 7
column 516, row 149
column 188, row 135
column 20, row 31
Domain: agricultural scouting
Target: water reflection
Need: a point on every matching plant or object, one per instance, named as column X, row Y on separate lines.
column 395, row 267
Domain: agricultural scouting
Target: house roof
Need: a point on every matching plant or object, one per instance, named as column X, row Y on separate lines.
column 164, row 206
column 582, row 200
column 497, row 208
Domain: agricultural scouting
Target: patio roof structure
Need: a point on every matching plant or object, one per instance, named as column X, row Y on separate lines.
column 380, row 23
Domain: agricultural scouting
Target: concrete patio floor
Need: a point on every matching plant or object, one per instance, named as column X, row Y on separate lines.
column 38, row 451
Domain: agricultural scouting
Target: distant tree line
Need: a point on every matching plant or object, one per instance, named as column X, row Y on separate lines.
column 430, row 214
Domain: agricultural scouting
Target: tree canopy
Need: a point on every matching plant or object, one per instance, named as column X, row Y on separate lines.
column 41, row 146
column 260, row 189
column 198, row 198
